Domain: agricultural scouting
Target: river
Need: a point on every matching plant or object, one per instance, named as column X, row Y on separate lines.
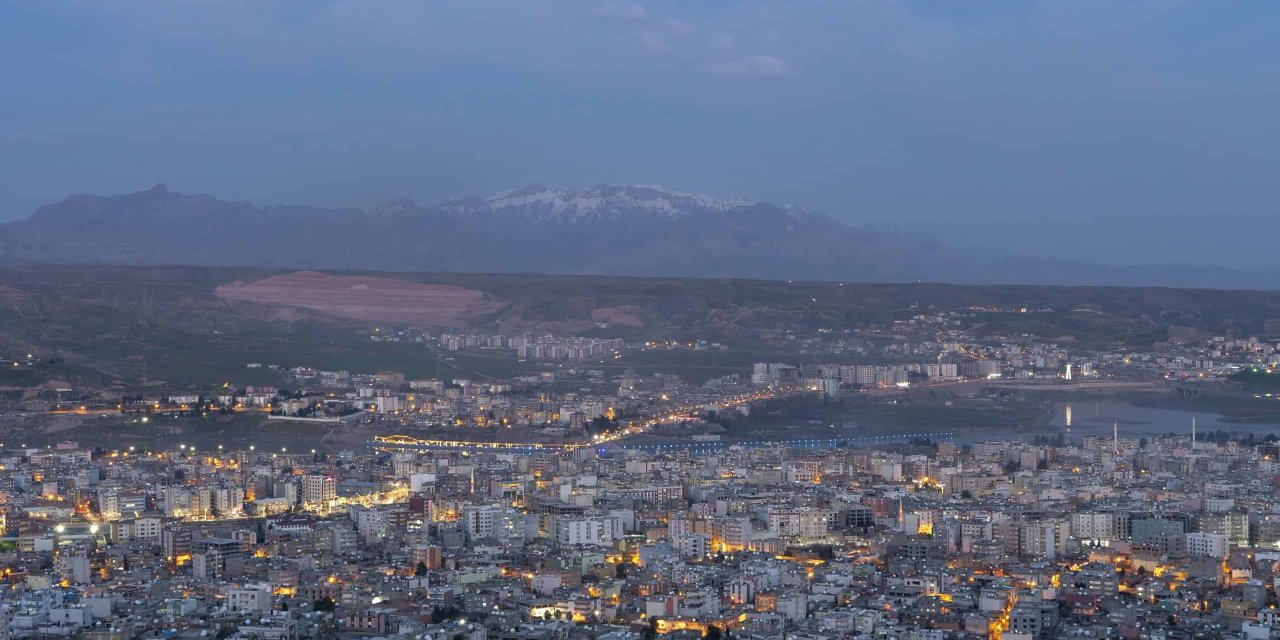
column 1088, row 418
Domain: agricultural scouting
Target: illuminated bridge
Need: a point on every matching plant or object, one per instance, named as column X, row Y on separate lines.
column 406, row 443
column 796, row 443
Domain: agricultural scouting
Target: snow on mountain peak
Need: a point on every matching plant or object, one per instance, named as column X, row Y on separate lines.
column 600, row 202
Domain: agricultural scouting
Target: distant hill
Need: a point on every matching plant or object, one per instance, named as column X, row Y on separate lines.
column 202, row 324
column 605, row 229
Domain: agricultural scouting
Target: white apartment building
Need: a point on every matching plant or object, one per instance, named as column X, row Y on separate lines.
column 803, row 523
column 1212, row 545
column 584, row 531
column 319, row 490
column 254, row 597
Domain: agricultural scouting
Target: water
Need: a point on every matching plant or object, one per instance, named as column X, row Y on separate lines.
column 1096, row 418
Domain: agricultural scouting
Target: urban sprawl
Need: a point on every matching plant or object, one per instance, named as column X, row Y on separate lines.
column 623, row 511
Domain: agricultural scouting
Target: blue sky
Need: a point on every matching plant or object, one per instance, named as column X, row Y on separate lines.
column 1124, row 132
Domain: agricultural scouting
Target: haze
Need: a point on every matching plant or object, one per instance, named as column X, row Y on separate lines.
column 1124, row 133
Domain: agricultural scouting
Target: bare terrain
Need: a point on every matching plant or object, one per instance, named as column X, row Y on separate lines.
column 365, row 298
column 110, row 325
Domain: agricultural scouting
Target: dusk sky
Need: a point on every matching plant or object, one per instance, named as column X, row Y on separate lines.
column 1140, row 132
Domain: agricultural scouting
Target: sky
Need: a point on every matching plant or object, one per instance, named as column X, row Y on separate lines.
column 1138, row 132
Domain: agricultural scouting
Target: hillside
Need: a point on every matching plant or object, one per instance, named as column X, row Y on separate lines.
column 198, row 323
column 604, row 230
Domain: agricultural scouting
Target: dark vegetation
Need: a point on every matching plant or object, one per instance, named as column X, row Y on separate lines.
column 164, row 323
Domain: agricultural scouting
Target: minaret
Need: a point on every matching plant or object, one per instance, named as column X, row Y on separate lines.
column 1193, row 433
column 1115, row 435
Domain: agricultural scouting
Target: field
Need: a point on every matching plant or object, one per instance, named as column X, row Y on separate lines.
column 123, row 324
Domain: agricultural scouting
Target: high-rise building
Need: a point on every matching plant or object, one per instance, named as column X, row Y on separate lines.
column 319, row 490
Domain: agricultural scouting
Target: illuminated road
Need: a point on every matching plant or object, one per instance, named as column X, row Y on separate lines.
column 671, row 414
column 154, row 409
column 795, row 443
column 675, row 413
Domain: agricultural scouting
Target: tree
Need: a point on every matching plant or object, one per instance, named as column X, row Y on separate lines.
column 325, row 604
column 713, row 633
column 441, row 614
column 599, row 423
column 420, row 570
column 651, row 631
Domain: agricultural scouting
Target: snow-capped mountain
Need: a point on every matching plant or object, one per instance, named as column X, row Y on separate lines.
column 607, row 229
column 599, row 203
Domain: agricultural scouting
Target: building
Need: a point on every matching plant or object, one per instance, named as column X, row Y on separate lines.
column 255, row 598
column 800, row 523
column 319, row 490
column 588, row 531
column 1212, row 545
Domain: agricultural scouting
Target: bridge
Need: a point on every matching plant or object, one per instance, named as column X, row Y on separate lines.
column 793, row 443
column 406, row 443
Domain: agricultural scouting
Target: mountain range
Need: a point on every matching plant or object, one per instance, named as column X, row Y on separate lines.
column 604, row 229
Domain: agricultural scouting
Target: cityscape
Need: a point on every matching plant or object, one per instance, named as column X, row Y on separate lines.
column 639, row 320
column 607, row 502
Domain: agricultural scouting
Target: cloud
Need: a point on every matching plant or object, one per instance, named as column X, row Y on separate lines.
column 678, row 27
column 658, row 36
column 652, row 40
column 624, row 12
column 723, row 42
column 655, row 32
column 750, row 67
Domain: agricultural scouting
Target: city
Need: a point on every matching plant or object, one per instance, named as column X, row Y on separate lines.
column 1160, row 537
column 639, row 320
column 575, row 501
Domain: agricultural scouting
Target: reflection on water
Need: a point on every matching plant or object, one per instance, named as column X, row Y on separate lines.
column 1135, row 420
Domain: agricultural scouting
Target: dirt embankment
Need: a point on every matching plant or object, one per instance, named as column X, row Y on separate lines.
column 626, row 316
column 366, row 298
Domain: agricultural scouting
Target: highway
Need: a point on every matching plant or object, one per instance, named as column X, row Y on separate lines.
column 668, row 415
